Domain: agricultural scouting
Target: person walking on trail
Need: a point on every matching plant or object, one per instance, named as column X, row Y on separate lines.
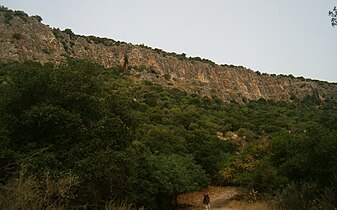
column 206, row 201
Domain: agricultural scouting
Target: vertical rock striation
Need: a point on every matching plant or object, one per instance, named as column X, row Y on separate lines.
column 25, row 38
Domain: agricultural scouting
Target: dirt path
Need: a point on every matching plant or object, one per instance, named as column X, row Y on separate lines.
column 222, row 198
column 221, row 203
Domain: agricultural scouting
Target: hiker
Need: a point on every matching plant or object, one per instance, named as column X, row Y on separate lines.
column 206, row 201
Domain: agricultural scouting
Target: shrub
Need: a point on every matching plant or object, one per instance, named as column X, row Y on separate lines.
column 247, row 134
column 167, row 76
column 17, row 36
column 22, row 15
column 38, row 18
column 70, row 33
column 8, row 16
column 299, row 196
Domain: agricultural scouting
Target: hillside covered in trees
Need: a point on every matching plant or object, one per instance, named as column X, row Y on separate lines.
column 82, row 136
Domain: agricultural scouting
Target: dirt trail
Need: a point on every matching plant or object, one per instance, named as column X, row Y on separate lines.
column 221, row 203
column 222, row 198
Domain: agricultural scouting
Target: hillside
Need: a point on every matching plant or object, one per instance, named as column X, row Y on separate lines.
column 26, row 38
column 78, row 134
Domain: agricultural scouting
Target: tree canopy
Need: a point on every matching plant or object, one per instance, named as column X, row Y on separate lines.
column 108, row 137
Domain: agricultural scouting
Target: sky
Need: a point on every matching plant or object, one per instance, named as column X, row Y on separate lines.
column 271, row 36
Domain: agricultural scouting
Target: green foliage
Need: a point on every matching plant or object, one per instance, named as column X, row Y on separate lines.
column 69, row 32
column 144, row 144
column 181, row 56
column 9, row 14
column 175, row 175
column 247, row 134
column 300, row 157
column 74, row 117
column 22, row 15
column 8, row 17
column 167, row 76
column 38, row 18
column 300, row 196
column 161, row 178
column 99, row 40
column 293, row 159
column 62, row 108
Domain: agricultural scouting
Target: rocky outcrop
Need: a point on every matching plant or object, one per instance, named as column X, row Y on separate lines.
column 25, row 38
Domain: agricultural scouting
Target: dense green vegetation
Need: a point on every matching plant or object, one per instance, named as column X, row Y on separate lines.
column 95, row 135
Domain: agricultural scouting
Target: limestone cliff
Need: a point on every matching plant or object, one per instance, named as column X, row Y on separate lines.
column 25, row 38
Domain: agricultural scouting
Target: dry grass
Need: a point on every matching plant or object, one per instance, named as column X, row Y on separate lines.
column 240, row 205
column 124, row 206
column 47, row 192
column 28, row 192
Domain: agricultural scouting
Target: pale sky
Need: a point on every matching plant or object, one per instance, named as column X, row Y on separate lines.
column 271, row 36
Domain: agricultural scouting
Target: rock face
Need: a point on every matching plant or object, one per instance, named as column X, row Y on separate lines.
column 25, row 38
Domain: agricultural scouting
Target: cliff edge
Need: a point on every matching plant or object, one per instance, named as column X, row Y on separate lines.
column 26, row 38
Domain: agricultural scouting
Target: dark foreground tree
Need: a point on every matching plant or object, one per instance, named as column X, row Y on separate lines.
column 333, row 15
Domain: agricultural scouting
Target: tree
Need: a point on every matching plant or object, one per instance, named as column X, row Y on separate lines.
column 38, row 18
column 160, row 178
column 333, row 15
column 69, row 32
column 61, row 118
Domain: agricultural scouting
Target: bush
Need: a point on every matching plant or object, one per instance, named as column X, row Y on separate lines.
column 247, row 134
column 70, row 33
column 167, row 76
column 38, row 18
column 303, row 196
column 17, row 36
